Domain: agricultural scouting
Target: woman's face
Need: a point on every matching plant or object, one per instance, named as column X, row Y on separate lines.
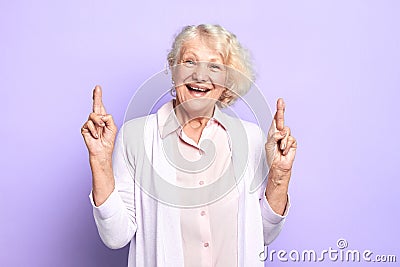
column 199, row 78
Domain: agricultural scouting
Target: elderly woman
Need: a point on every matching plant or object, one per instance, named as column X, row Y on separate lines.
column 179, row 184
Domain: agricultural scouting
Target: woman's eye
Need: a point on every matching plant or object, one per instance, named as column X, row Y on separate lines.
column 216, row 67
column 189, row 62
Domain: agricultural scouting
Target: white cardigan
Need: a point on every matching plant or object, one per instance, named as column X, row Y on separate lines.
column 133, row 214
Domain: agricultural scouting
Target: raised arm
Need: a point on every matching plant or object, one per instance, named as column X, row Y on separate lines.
column 281, row 150
column 99, row 133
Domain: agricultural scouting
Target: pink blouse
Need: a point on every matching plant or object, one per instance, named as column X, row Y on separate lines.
column 209, row 232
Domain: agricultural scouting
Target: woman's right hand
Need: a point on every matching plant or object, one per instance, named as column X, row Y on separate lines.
column 99, row 133
column 99, row 130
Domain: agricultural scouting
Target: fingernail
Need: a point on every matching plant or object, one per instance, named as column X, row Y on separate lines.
column 96, row 135
column 102, row 124
column 283, row 146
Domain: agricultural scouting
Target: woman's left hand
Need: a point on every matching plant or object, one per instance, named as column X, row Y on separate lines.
column 281, row 150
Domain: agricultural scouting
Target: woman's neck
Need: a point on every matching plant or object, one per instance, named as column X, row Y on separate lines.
column 192, row 123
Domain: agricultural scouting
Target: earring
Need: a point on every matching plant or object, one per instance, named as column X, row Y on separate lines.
column 172, row 91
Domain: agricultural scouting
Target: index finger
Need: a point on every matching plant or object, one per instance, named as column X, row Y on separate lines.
column 98, row 106
column 279, row 115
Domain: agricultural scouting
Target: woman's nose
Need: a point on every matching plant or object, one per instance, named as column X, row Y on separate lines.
column 200, row 73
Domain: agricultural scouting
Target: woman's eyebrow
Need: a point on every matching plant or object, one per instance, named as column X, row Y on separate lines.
column 189, row 53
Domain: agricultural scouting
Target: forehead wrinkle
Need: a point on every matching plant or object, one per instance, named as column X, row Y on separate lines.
column 187, row 48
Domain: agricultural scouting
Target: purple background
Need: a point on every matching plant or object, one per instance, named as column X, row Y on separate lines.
column 336, row 63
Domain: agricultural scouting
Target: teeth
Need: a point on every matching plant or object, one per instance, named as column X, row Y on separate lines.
column 199, row 89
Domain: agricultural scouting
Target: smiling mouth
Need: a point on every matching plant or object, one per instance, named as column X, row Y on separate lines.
column 197, row 89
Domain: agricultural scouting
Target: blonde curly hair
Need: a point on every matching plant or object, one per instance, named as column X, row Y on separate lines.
column 235, row 57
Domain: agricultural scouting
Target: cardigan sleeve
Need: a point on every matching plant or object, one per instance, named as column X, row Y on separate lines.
column 116, row 218
column 272, row 222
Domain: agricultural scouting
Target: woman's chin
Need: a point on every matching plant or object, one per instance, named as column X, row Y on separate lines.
column 199, row 106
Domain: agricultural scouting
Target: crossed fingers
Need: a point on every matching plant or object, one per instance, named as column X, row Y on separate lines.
column 280, row 133
column 98, row 118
